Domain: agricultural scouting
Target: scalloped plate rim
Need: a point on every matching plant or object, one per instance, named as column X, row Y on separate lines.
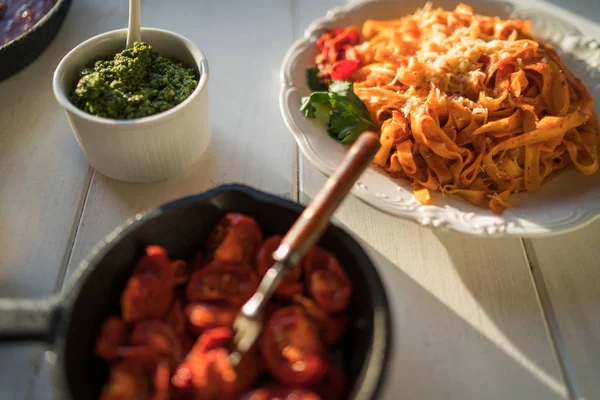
column 431, row 216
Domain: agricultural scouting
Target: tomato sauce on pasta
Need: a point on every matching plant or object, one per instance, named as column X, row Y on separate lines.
column 467, row 104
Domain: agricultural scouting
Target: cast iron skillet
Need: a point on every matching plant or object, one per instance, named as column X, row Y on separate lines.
column 70, row 322
column 22, row 51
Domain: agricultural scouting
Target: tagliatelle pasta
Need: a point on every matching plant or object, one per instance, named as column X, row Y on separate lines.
column 467, row 104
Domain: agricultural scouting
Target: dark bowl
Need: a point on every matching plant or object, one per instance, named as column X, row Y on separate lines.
column 72, row 322
column 23, row 50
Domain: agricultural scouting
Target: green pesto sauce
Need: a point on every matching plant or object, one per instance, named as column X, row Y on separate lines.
column 134, row 83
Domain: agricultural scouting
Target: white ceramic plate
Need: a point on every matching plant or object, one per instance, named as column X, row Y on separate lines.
column 566, row 201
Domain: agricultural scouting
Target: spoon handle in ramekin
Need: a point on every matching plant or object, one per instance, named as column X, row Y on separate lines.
column 134, row 32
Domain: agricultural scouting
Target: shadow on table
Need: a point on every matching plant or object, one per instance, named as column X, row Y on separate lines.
column 437, row 354
column 502, row 299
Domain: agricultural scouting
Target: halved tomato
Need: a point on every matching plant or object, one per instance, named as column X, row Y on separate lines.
column 203, row 316
column 311, row 309
column 207, row 373
column 194, row 264
column 281, row 393
column 155, row 250
column 235, row 238
column 144, row 356
column 191, row 378
column 223, row 281
column 176, row 317
column 156, row 261
column 290, row 284
column 220, row 374
column 158, row 336
column 113, row 334
column 162, row 381
column 148, row 292
column 210, row 340
column 146, row 295
column 332, row 327
column 181, row 380
column 326, row 280
column 181, row 272
column 126, row 380
column 292, row 348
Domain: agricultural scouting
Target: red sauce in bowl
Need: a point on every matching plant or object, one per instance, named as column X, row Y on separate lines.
column 19, row 16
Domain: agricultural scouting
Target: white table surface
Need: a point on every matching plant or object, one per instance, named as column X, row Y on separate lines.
column 474, row 318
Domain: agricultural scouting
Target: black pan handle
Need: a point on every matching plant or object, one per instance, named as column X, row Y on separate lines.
column 28, row 320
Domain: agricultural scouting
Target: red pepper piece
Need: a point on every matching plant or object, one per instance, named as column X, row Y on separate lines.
column 343, row 70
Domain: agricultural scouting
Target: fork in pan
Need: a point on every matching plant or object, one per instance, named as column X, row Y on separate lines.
column 305, row 232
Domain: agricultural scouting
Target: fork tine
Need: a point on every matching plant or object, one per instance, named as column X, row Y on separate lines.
column 234, row 358
column 234, row 353
column 239, row 333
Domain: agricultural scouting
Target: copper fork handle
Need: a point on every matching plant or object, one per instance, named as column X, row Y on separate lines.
column 311, row 225
column 305, row 232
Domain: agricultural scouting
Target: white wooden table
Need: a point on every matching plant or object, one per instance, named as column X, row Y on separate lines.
column 474, row 318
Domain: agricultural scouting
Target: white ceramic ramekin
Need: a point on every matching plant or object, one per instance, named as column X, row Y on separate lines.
column 145, row 149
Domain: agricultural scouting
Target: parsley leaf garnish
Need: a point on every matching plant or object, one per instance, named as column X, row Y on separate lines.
column 348, row 115
column 312, row 78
